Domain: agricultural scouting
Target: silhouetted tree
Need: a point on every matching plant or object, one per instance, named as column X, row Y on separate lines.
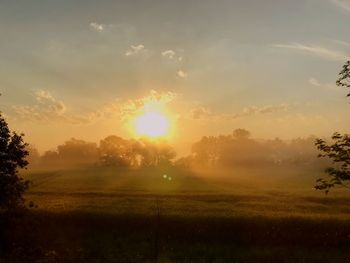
column 165, row 154
column 49, row 158
column 77, row 152
column 241, row 134
column 206, row 151
column 339, row 151
column 339, row 154
column 116, row 151
column 238, row 149
column 344, row 79
column 73, row 152
column 12, row 157
column 152, row 154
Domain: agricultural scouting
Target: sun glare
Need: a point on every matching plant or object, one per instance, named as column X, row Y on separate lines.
column 152, row 124
column 152, row 117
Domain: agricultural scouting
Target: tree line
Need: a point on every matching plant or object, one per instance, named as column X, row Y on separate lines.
column 238, row 149
column 232, row 150
column 111, row 151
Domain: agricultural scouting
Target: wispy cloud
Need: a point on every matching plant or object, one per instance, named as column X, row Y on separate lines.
column 345, row 4
column 327, row 86
column 204, row 113
column 134, row 50
column 97, row 27
column 314, row 82
column 253, row 110
column 316, row 51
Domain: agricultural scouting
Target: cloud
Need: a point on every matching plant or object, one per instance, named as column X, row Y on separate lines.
column 49, row 109
column 170, row 54
column 204, row 113
column 253, row 110
column 316, row 51
column 134, row 50
column 182, row 74
column 154, row 100
column 200, row 113
column 314, row 82
column 46, row 109
column 43, row 96
column 96, row 26
column 328, row 86
column 344, row 4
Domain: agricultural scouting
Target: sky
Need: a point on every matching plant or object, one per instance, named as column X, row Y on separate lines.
column 82, row 68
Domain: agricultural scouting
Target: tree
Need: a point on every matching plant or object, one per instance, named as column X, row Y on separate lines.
column 241, row 134
column 206, row 151
column 339, row 151
column 13, row 154
column 339, row 154
column 116, row 151
column 77, row 152
column 49, row 158
column 153, row 154
column 344, row 79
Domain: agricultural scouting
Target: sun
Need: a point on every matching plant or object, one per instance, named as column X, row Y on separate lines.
column 152, row 124
column 152, row 117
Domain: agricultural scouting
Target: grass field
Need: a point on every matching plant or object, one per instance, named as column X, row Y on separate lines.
column 116, row 215
column 276, row 192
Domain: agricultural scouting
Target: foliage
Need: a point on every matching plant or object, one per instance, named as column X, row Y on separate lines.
column 238, row 149
column 226, row 151
column 344, row 79
column 111, row 151
column 13, row 154
column 117, row 151
column 241, row 134
column 339, row 151
column 339, row 154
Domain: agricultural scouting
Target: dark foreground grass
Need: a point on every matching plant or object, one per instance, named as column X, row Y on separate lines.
column 38, row 236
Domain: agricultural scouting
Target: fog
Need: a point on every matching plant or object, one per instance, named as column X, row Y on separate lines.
column 227, row 152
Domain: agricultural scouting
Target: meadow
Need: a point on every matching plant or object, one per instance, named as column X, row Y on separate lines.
column 99, row 214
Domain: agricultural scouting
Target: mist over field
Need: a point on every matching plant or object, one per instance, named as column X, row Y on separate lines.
column 232, row 198
column 187, row 131
column 222, row 175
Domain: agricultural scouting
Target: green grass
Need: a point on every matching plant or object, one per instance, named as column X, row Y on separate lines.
column 120, row 215
column 273, row 192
